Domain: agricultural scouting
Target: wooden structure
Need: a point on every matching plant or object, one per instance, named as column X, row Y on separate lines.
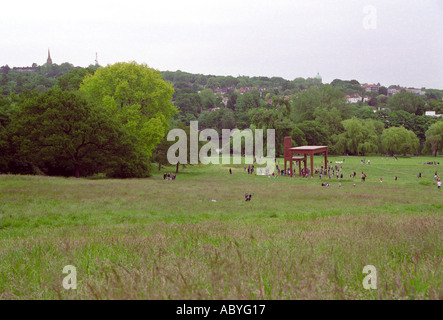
column 305, row 151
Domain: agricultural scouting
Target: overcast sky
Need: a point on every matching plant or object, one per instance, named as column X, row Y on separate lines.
column 391, row 42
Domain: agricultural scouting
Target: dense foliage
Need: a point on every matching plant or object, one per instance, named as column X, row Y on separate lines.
column 66, row 120
column 110, row 125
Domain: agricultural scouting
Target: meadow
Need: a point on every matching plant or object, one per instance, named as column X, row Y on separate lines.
column 196, row 237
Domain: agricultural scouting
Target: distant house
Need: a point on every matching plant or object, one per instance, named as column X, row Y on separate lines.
column 417, row 92
column 391, row 92
column 433, row 114
column 370, row 87
column 355, row 98
column 24, row 69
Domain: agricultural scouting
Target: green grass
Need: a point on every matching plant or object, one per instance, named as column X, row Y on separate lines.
column 156, row 239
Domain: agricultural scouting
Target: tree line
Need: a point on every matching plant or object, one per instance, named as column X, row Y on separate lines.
column 107, row 120
column 114, row 119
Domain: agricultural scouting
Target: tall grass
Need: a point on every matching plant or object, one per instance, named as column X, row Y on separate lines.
column 156, row 239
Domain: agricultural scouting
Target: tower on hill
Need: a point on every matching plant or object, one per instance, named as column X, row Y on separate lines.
column 49, row 60
column 318, row 77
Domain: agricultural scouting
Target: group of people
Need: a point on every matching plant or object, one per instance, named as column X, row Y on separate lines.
column 330, row 171
column 363, row 161
column 250, row 169
column 169, row 176
column 436, row 178
column 387, row 157
column 325, row 184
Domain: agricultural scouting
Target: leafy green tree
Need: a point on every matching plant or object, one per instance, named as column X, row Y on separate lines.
column 359, row 137
column 189, row 104
column 315, row 133
column 434, row 137
column 435, row 105
column 208, row 99
column 331, row 120
column 232, row 100
column 212, row 83
column 137, row 97
column 245, row 103
column 408, row 102
column 415, row 123
column 59, row 133
column 73, row 79
column 219, row 119
column 275, row 117
column 305, row 103
column 383, row 91
column 399, row 140
column 5, row 119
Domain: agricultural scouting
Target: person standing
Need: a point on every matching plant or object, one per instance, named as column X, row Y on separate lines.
column 230, row 171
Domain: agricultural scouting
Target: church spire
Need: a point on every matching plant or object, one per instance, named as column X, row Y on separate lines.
column 49, row 60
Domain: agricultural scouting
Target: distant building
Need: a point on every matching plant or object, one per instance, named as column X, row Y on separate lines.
column 417, row 92
column 391, row 92
column 49, row 60
column 355, row 98
column 433, row 114
column 318, row 77
column 24, row 69
column 370, row 87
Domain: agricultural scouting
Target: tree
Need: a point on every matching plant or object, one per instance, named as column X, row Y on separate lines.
column 434, row 137
column 329, row 119
column 73, row 79
column 399, row 140
column 208, row 99
column 359, row 137
column 137, row 97
column 408, row 102
column 383, row 90
column 415, row 123
column 276, row 118
column 189, row 104
column 246, row 103
column 326, row 97
column 59, row 133
column 5, row 120
column 212, row 83
column 232, row 100
column 218, row 119
column 315, row 133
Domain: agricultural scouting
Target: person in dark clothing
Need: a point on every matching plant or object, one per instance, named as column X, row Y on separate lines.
column 230, row 171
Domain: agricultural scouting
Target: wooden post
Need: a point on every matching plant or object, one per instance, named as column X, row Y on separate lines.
column 290, row 165
column 312, row 164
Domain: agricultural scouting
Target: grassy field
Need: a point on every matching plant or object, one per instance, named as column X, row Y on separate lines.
column 196, row 237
